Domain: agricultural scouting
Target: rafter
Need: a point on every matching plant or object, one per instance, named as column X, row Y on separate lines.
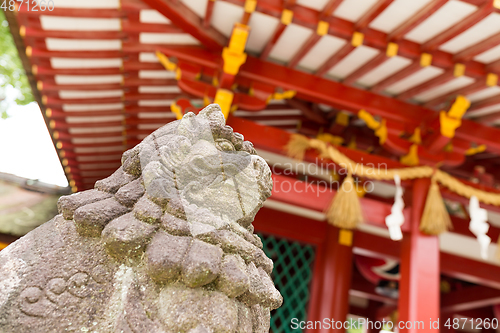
column 483, row 11
column 371, row 14
column 478, row 48
column 184, row 18
column 319, row 90
column 416, row 19
column 470, row 89
column 274, row 39
column 369, row 66
column 469, row 298
column 334, row 59
column 208, row 13
column 425, row 86
column 405, row 72
column 308, row 18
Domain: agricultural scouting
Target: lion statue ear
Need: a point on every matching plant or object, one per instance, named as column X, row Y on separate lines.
column 213, row 113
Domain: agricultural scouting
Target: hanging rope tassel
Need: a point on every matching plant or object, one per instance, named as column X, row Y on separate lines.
column 297, row 146
column 345, row 209
column 435, row 219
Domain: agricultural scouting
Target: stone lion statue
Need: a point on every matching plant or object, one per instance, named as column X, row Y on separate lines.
column 165, row 244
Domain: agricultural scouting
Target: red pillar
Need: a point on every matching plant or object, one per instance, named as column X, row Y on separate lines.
column 419, row 284
column 337, row 275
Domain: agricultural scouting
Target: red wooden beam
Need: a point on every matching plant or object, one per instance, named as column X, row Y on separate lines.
column 371, row 14
column 360, row 25
column 467, row 90
column 50, row 86
column 304, row 49
column 330, row 8
column 273, row 140
column 493, row 66
column 469, row 298
column 289, row 226
column 405, row 72
column 478, row 15
column 30, row 32
column 334, row 59
column 363, row 288
column 487, row 119
column 478, row 48
column 349, row 98
column 483, row 103
column 208, row 13
column 308, row 111
column 470, row 270
column 184, row 18
column 369, row 66
column 309, row 18
column 274, row 39
column 416, row 19
column 425, row 86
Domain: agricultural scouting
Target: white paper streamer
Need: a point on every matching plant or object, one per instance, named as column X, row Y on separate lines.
column 396, row 219
column 479, row 225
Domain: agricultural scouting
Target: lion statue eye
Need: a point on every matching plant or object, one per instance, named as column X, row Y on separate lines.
column 224, row 145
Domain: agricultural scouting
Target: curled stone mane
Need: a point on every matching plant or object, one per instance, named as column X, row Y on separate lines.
column 165, row 244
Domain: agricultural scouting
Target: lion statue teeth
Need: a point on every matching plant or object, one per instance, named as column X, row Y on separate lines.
column 165, row 244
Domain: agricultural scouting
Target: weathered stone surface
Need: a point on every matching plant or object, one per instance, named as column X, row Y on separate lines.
column 175, row 208
column 245, row 319
column 113, row 183
column 233, row 280
column 260, row 291
column 260, row 319
column 163, row 245
column 126, row 236
column 91, row 219
column 243, row 232
column 68, row 204
column 131, row 162
column 201, row 264
column 164, row 256
column 262, row 261
column 175, row 226
column 272, row 298
column 181, row 307
column 130, row 193
column 147, row 211
column 232, row 243
column 199, row 329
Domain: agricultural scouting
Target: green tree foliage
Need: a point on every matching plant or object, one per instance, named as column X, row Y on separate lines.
column 14, row 85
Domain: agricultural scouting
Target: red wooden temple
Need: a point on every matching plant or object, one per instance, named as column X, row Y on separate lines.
column 284, row 67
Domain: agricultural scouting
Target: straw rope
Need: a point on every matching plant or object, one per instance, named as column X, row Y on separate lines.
column 298, row 145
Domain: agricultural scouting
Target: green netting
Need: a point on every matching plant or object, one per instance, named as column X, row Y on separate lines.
column 292, row 274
